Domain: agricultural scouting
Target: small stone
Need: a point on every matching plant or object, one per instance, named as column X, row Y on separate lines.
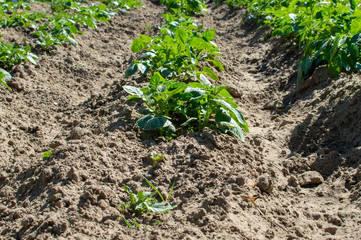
column 331, row 230
column 69, row 60
column 316, row 216
column 335, row 220
column 111, row 213
column 103, row 204
column 310, row 178
column 56, row 197
column 226, row 192
column 273, row 105
column 46, row 175
column 292, row 181
column 235, row 92
column 264, row 183
column 234, row 228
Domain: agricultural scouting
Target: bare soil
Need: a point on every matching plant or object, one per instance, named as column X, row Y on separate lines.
column 297, row 175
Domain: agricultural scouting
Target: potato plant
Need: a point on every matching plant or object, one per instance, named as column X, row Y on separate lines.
column 10, row 55
column 179, row 95
column 187, row 7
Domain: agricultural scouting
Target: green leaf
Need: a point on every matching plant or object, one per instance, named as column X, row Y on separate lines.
column 356, row 26
column 353, row 4
column 46, row 154
column 356, row 39
column 209, row 34
column 168, row 72
column 134, row 91
column 355, row 52
column 198, row 43
column 72, row 41
column 210, row 73
column 4, row 76
column 227, row 124
column 73, row 29
column 222, row 116
column 131, row 70
column 182, row 36
column 218, row 64
column 236, row 131
column 143, row 68
column 150, row 122
column 306, row 64
column 91, row 23
column 160, row 207
column 161, row 88
column 140, row 43
column 234, row 113
column 195, row 92
column 31, row 59
column 179, row 87
column 293, row 16
column 156, row 80
column 205, row 80
column 335, row 66
column 188, row 122
column 222, row 91
column 155, row 189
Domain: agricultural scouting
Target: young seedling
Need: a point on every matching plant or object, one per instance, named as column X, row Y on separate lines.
column 47, row 154
column 156, row 158
column 144, row 202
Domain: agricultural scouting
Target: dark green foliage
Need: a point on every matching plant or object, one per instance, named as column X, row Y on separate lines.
column 326, row 30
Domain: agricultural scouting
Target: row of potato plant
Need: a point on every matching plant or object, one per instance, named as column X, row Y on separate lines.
column 56, row 27
column 180, row 95
column 328, row 31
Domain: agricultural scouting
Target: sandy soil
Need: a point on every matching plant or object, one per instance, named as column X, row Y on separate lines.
column 300, row 161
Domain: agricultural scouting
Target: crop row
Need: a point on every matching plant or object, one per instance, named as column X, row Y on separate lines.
column 179, row 65
column 328, row 31
column 57, row 26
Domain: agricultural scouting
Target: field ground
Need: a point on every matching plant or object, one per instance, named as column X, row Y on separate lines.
column 301, row 158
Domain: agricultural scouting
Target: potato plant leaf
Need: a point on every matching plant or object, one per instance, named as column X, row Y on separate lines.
column 140, row 43
column 134, row 91
column 209, row 34
column 234, row 113
column 131, row 70
column 210, row 73
column 4, row 76
column 205, row 80
column 353, row 4
column 150, row 122
column 356, row 26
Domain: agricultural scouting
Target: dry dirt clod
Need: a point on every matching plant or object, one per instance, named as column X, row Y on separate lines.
column 265, row 183
column 310, row 178
column 332, row 230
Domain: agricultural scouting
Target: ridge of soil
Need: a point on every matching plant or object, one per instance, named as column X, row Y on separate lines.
column 301, row 159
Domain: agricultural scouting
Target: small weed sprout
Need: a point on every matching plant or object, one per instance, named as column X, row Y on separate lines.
column 47, row 154
column 156, row 158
